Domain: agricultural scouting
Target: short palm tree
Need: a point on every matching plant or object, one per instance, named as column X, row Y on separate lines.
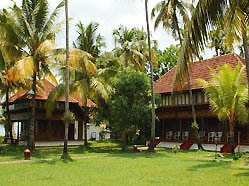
column 227, row 95
column 88, row 39
column 36, row 30
column 85, row 81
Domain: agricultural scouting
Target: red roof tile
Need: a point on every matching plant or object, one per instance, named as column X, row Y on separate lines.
column 199, row 69
column 43, row 92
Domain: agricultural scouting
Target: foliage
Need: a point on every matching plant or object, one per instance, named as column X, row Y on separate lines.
column 130, row 104
column 227, row 94
column 195, row 125
column 88, row 40
column 167, row 59
column 175, row 148
column 69, row 117
column 217, row 37
column 131, row 47
column 167, row 13
column 209, row 13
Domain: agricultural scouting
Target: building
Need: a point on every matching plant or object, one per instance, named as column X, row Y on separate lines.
column 174, row 110
column 47, row 129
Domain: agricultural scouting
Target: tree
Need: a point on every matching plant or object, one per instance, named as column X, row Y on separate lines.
column 132, row 48
column 8, row 55
column 85, row 81
column 66, row 122
column 168, row 11
column 218, row 41
column 88, row 39
column 36, row 30
column 228, row 96
column 167, row 59
column 130, row 100
column 206, row 13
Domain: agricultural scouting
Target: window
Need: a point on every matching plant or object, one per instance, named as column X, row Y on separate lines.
column 163, row 101
column 167, row 100
column 187, row 99
column 194, row 98
column 179, row 99
column 183, row 99
column 199, row 97
column 170, row 100
column 205, row 98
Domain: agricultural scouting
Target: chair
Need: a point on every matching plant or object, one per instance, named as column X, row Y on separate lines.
column 201, row 135
column 169, row 135
column 219, row 135
column 229, row 136
column 211, row 136
column 185, row 135
column 177, row 135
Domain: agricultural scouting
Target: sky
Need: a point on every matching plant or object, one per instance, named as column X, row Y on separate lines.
column 110, row 14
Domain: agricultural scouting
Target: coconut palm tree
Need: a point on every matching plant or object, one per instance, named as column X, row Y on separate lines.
column 66, row 122
column 206, row 13
column 8, row 55
column 228, row 96
column 36, row 30
column 85, row 81
column 88, row 39
column 167, row 14
column 132, row 48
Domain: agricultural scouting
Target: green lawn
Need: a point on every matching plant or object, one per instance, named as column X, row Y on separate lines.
column 110, row 166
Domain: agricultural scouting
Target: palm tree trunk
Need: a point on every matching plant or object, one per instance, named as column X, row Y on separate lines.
column 152, row 138
column 85, row 134
column 190, row 89
column 246, row 50
column 9, row 124
column 65, row 149
column 31, row 141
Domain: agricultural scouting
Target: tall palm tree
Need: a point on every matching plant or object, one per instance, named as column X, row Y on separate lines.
column 132, row 48
column 153, row 115
column 228, row 96
column 36, row 30
column 65, row 150
column 206, row 13
column 88, row 39
column 168, row 11
column 151, row 148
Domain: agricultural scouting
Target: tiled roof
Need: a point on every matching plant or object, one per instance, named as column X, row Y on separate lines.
column 42, row 93
column 199, row 69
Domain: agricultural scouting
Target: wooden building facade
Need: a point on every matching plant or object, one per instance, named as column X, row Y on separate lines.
column 174, row 109
column 46, row 129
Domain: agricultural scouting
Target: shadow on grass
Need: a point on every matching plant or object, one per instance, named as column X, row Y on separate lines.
column 205, row 164
column 244, row 173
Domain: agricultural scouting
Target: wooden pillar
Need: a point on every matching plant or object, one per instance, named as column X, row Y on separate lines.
column 76, row 126
column 17, row 135
column 49, row 130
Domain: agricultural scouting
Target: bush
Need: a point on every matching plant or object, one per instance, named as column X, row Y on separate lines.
column 175, row 148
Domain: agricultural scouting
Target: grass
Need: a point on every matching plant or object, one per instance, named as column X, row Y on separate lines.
column 110, row 166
